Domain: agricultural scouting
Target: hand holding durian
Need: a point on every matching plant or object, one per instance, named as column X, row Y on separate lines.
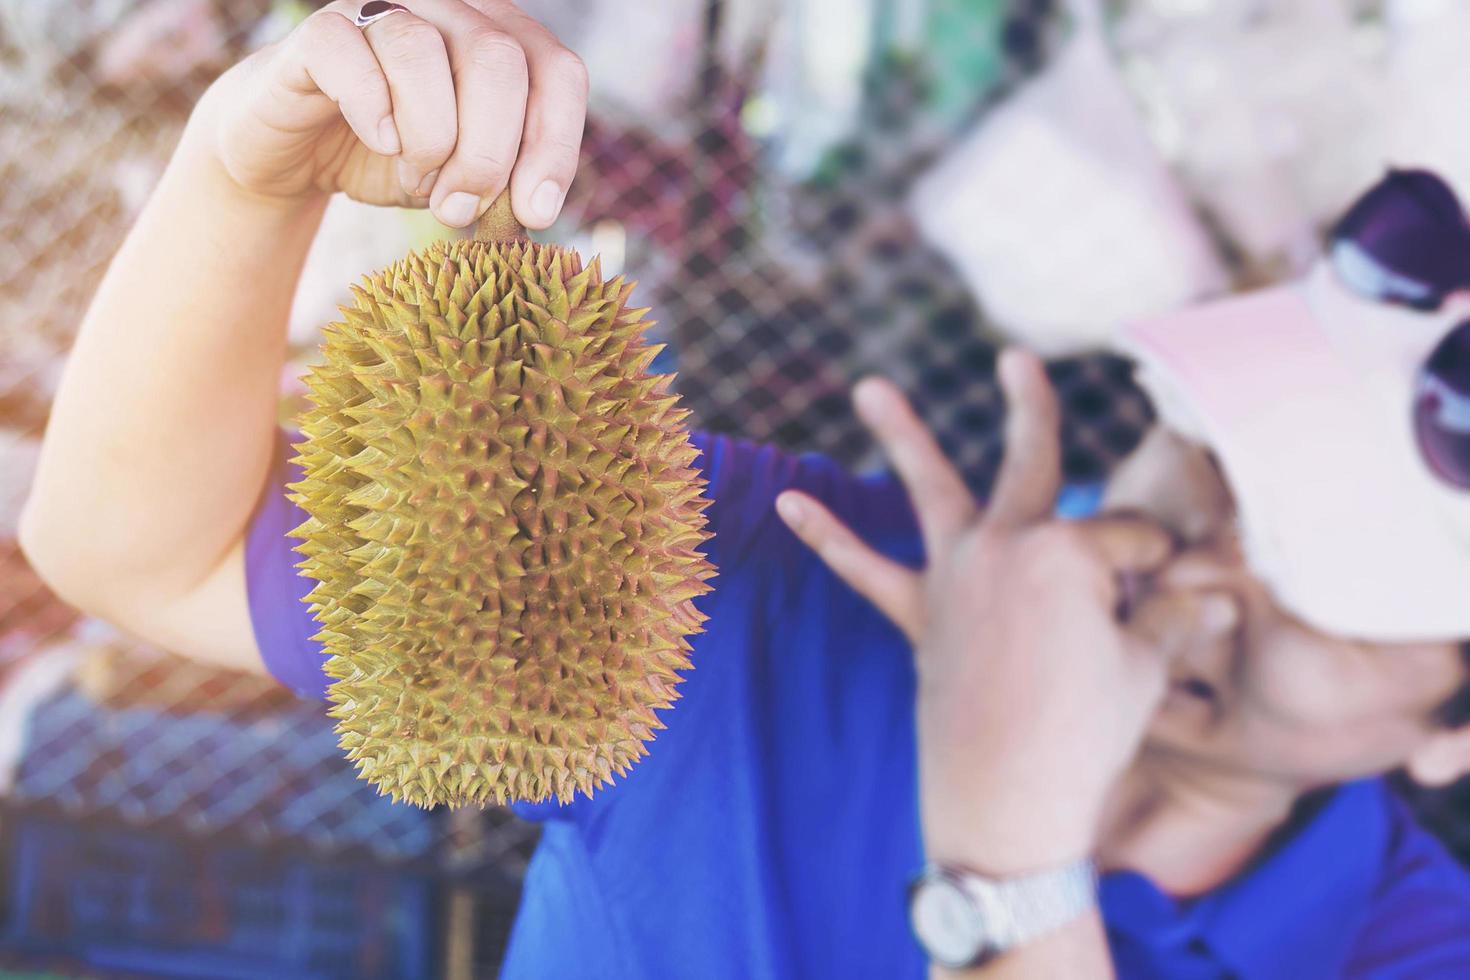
column 504, row 521
column 441, row 106
column 503, row 511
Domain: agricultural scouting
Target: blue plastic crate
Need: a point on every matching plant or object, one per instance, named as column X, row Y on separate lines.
column 144, row 903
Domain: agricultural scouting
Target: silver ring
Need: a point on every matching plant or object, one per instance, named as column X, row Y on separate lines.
column 375, row 10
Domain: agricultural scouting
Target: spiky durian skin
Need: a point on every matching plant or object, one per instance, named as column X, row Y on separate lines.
column 504, row 524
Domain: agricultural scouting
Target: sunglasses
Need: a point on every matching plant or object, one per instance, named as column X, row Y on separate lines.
column 1407, row 242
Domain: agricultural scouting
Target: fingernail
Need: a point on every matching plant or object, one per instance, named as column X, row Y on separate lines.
column 546, row 200
column 1218, row 613
column 459, row 209
column 867, row 397
column 791, row 510
column 1008, row 365
column 388, row 136
column 426, row 186
column 413, row 183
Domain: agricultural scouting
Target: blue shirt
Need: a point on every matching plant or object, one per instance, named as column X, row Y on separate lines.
column 772, row 828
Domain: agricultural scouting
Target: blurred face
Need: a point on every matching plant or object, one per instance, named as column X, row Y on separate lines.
column 1270, row 696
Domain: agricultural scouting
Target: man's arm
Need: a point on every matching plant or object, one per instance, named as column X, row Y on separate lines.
column 163, row 431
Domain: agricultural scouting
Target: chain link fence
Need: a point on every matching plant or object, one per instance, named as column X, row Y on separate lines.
column 775, row 248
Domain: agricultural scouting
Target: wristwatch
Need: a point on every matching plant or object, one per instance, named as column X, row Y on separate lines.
column 963, row 919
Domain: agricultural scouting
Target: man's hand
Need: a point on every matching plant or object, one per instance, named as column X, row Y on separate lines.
column 445, row 105
column 1033, row 695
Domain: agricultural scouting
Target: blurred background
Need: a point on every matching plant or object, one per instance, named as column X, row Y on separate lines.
column 807, row 190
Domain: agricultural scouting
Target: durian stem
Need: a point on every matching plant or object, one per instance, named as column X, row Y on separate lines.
column 499, row 224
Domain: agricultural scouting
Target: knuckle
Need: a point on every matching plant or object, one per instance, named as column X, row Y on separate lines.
column 411, row 41
column 495, row 52
column 430, row 152
column 484, row 169
column 563, row 150
column 322, row 23
column 823, row 544
column 1060, row 549
column 569, row 70
column 324, row 32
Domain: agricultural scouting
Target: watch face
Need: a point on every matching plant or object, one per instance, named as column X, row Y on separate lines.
column 947, row 921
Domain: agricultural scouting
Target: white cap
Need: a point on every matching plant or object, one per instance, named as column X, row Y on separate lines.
column 1305, row 394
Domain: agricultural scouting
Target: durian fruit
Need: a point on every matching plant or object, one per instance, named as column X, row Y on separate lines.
column 504, row 524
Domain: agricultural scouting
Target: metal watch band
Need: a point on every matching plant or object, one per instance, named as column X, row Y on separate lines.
column 1022, row 908
column 1002, row 913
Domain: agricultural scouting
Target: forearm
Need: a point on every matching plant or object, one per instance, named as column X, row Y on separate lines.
column 1015, row 827
column 161, row 433
column 1032, row 698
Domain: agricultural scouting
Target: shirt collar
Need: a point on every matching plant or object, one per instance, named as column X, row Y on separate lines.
column 1295, row 911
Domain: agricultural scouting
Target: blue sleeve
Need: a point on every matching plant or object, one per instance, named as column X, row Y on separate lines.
column 1418, row 924
column 746, row 477
column 283, row 623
